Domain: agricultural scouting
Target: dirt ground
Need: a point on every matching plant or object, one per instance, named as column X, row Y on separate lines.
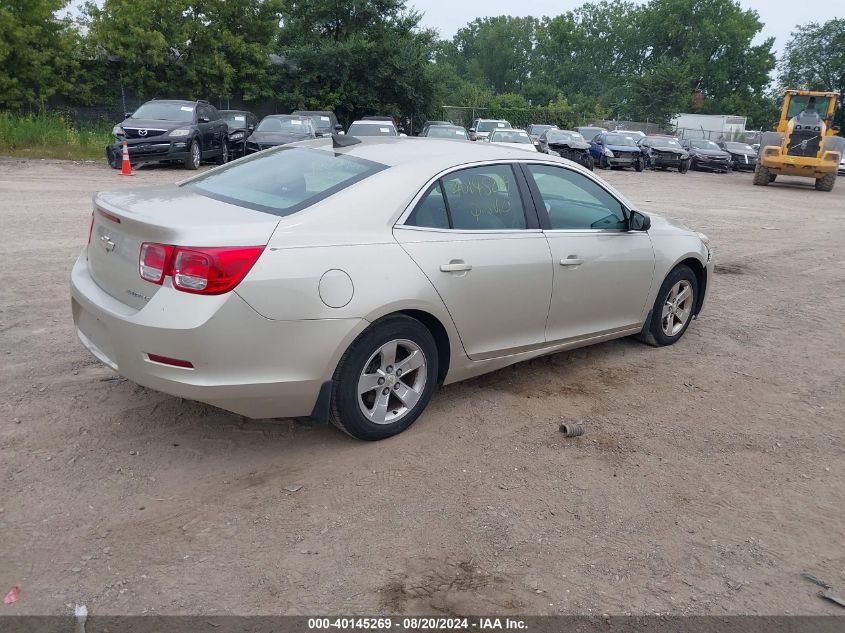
column 710, row 475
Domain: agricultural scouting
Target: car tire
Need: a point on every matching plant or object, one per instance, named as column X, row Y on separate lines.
column 826, row 182
column 359, row 404
column 224, row 153
column 762, row 176
column 683, row 167
column 672, row 313
column 194, row 157
column 603, row 162
column 114, row 159
column 639, row 164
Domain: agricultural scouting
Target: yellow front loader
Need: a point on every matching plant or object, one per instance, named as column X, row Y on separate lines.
column 805, row 142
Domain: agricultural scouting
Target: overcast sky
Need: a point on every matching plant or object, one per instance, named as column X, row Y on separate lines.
column 778, row 16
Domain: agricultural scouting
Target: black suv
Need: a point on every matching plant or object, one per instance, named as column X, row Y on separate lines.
column 170, row 131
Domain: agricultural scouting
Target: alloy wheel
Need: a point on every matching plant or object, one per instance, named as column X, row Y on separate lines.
column 196, row 156
column 677, row 308
column 392, row 381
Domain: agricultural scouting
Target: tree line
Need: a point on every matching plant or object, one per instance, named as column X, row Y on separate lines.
column 605, row 59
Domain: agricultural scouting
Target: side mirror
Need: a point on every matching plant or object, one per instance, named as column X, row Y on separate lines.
column 638, row 221
column 204, row 119
column 128, row 114
column 472, row 129
column 250, row 127
column 338, row 127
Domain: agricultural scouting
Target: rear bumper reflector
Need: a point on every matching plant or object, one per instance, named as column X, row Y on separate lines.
column 174, row 362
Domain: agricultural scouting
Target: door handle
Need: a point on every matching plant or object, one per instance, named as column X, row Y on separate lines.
column 455, row 266
column 572, row 260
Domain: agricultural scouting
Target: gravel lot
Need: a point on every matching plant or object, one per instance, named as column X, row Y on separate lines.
column 710, row 475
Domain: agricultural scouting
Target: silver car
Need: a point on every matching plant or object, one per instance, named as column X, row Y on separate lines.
column 345, row 281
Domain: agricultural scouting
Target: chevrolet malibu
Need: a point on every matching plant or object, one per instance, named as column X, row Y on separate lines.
column 345, row 280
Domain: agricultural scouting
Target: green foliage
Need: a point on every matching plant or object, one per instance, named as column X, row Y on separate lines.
column 36, row 52
column 188, row 48
column 607, row 58
column 356, row 57
column 45, row 135
column 814, row 58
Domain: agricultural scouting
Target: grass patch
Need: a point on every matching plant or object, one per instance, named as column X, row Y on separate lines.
column 51, row 136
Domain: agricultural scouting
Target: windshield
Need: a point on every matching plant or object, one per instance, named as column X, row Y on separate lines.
column 563, row 137
column 620, row 139
column 664, row 142
column 510, row 136
column 290, row 124
column 797, row 104
column 165, row 112
column 704, row 145
column 539, row 129
column 320, row 122
column 443, row 131
column 235, row 120
column 739, row 147
column 590, row 132
column 376, row 128
column 283, row 181
column 489, row 126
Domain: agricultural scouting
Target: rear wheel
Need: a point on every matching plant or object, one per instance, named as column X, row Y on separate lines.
column 826, row 182
column 224, row 155
column 762, row 175
column 194, row 157
column 385, row 379
column 673, row 308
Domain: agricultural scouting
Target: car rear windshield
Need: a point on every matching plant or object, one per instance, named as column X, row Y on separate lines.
column 165, row 112
column 285, row 180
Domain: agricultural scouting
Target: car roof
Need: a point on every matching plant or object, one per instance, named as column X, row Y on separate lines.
column 373, row 121
column 437, row 153
column 494, row 120
column 238, row 111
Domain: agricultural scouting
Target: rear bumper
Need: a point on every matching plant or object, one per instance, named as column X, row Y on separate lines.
column 243, row 362
column 143, row 150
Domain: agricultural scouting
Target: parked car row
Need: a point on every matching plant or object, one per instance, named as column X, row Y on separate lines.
column 191, row 132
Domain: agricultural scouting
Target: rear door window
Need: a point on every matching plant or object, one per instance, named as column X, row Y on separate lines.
column 484, row 198
column 283, row 181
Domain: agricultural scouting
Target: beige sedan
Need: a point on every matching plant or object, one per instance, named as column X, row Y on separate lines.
column 345, row 279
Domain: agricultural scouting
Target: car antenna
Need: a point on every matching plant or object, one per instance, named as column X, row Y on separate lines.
column 344, row 141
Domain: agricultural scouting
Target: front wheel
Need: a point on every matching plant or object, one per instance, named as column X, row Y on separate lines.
column 762, row 176
column 385, row 379
column 673, row 308
column 603, row 162
column 826, row 182
column 683, row 167
column 114, row 158
column 639, row 164
column 194, row 158
column 588, row 162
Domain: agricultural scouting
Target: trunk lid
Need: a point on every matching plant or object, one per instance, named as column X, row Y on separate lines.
column 123, row 220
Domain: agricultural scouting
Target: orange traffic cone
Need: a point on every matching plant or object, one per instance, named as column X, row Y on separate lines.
column 126, row 166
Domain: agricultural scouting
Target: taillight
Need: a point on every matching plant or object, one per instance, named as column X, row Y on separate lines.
column 209, row 271
column 153, row 262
